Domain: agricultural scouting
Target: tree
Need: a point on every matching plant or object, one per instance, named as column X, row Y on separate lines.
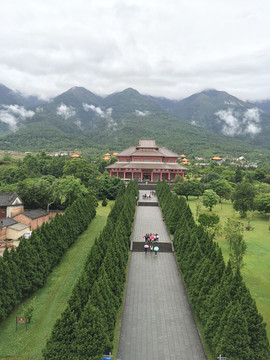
column 262, row 203
column 108, row 187
column 82, row 169
column 36, row 193
column 68, row 189
column 229, row 175
column 183, row 188
column 196, row 188
column 259, row 174
column 238, row 175
column 104, row 202
column 234, row 341
column 210, row 198
column 208, row 220
column 28, row 311
column 237, row 245
column 222, row 188
column 90, row 337
column 243, row 198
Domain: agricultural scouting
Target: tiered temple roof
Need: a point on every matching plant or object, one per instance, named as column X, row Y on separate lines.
column 146, row 161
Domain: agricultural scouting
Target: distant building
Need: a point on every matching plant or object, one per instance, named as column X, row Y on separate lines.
column 108, row 156
column 148, row 162
column 185, row 161
column 75, row 156
column 10, row 205
column 216, row 158
column 34, row 218
column 11, row 229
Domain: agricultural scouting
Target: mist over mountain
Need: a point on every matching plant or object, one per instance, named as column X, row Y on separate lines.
column 204, row 122
column 263, row 105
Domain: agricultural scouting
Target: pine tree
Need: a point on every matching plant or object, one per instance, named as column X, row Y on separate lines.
column 234, row 341
column 59, row 346
column 90, row 340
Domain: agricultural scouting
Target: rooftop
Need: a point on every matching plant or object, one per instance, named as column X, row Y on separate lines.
column 34, row 214
column 8, row 198
column 7, row 222
column 147, row 148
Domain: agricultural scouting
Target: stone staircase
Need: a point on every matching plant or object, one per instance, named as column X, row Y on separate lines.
column 138, row 246
column 147, row 203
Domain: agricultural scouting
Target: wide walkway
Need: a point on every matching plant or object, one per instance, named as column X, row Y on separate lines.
column 157, row 323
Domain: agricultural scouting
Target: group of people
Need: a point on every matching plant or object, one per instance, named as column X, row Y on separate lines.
column 149, row 242
column 150, row 238
column 149, row 196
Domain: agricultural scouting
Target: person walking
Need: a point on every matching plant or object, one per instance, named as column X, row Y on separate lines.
column 146, row 246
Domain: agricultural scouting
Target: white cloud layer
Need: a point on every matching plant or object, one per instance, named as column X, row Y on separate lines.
column 65, row 111
column 141, row 113
column 13, row 114
column 105, row 114
column 171, row 49
column 236, row 123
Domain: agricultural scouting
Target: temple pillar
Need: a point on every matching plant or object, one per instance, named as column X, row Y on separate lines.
column 151, row 176
column 132, row 175
column 160, row 176
column 169, row 176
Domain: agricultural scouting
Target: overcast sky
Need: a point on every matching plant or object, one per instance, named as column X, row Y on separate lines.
column 170, row 48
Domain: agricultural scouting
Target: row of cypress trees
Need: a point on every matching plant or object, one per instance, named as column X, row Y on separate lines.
column 85, row 329
column 24, row 270
column 220, row 298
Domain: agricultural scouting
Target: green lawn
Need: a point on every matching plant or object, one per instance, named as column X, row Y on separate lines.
column 51, row 300
column 256, row 271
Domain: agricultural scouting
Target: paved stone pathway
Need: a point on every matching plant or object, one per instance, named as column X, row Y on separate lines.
column 157, row 322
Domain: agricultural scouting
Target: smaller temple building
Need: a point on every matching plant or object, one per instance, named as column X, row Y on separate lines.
column 146, row 162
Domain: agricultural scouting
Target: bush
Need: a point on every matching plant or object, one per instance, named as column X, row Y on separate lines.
column 104, row 202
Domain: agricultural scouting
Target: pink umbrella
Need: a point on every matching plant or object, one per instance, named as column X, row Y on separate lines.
column 146, row 246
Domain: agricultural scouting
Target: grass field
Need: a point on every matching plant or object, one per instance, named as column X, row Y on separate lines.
column 50, row 301
column 256, row 270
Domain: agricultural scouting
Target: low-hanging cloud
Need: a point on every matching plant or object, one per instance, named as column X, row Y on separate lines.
column 142, row 113
column 13, row 114
column 238, row 123
column 65, row 111
column 105, row 114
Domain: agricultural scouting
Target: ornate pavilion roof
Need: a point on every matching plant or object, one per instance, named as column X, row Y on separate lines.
column 147, row 147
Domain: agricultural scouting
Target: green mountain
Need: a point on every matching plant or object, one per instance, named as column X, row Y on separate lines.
column 222, row 113
column 79, row 119
column 11, row 97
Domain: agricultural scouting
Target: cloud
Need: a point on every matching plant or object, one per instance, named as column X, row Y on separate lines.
column 12, row 114
column 107, row 46
column 65, row 111
column 142, row 113
column 231, row 125
column 239, row 123
column 96, row 109
column 252, row 119
column 104, row 114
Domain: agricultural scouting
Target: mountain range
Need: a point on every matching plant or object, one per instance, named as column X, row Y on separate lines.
column 209, row 122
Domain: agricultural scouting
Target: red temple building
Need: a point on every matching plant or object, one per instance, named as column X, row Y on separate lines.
column 147, row 162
